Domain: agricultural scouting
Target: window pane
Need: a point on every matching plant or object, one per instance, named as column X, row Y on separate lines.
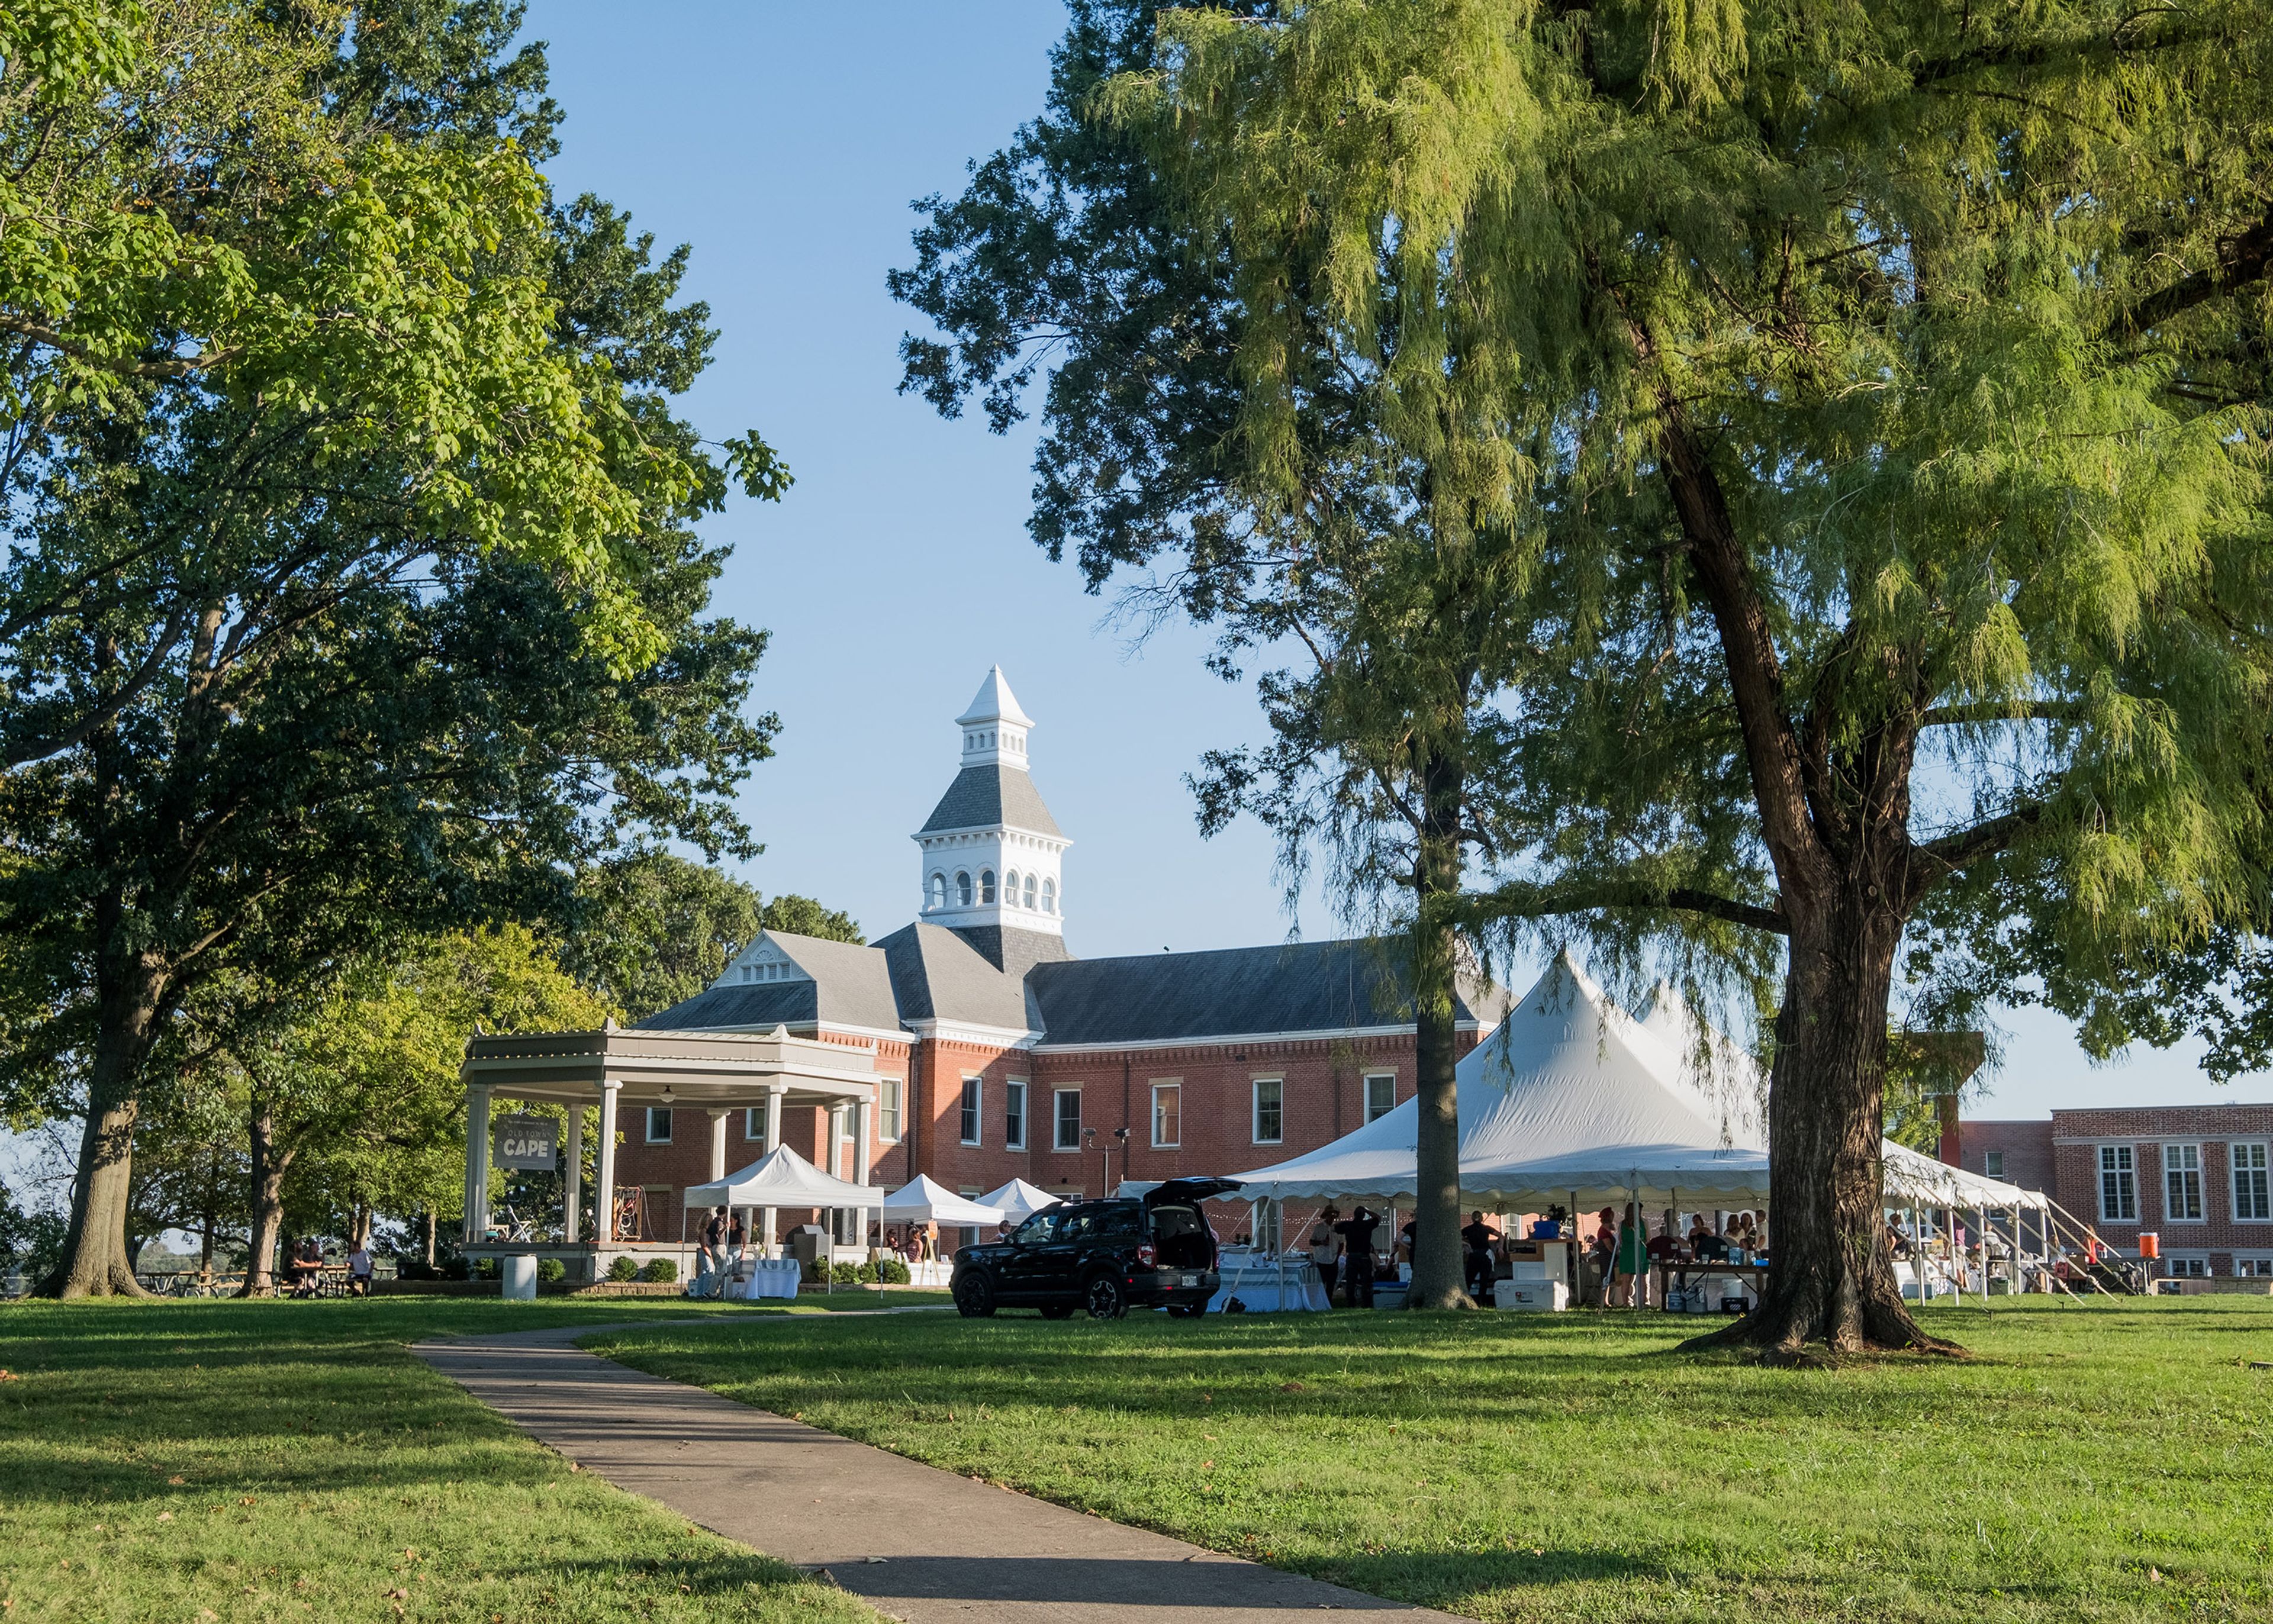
column 658, row 1125
column 971, row 1111
column 1167, row 1114
column 1014, row 1115
column 1269, row 1098
column 887, row 1108
column 986, row 885
column 1380, row 1097
column 1069, row 1119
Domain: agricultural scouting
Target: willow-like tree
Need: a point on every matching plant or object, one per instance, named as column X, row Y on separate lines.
column 1883, row 388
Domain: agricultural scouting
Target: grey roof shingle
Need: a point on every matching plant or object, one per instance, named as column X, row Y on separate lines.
column 937, row 974
column 982, row 796
column 1299, row 987
column 851, row 986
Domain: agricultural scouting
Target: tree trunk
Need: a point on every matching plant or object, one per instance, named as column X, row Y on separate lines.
column 1832, row 1281
column 268, row 1164
column 1438, row 1281
column 430, row 1239
column 95, row 1261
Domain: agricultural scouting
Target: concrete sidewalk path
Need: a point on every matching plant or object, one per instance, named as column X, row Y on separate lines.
column 923, row 1545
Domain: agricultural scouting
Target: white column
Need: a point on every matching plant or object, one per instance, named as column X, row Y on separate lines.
column 718, row 1143
column 604, row 1187
column 478, row 1165
column 767, row 1232
column 863, row 1115
column 571, row 1219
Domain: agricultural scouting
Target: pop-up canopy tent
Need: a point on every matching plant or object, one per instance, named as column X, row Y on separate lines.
column 1019, row 1200
column 927, row 1201
column 1572, row 1100
column 783, row 1179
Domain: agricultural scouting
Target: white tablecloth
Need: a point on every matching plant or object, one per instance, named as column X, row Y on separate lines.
column 1255, row 1281
column 772, row 1277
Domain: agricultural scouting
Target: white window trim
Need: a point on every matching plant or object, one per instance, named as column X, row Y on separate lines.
column 1176, row 1086
column 883, row 1138
column 2263, row 1261
column 2101, row 1173
column 1025, row 1087
column 2231, row 1190
column 2202, row 1189
column 1365, row 1096
column 1255, row 1109
column 1057, row 1120
column 976, row 1086
column 647, row 1125
column 2193, row 1255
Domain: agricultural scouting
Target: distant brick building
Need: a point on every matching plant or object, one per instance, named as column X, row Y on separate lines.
column 1002, row 1056
column 2198, row 1178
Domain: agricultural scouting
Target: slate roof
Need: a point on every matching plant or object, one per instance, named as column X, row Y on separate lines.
column 1298, row 987
column 938, row 975
column 851, row 986
column 927, row 972
column 982, row 796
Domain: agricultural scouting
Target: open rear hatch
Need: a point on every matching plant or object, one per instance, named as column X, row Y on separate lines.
column 1179, row 1231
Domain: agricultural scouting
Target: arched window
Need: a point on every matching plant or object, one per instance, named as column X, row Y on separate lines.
column 1010, row 889
column 1029, row 891
column 939, row 890
column 962, row 887
column 1049, row 897
column 986, row 885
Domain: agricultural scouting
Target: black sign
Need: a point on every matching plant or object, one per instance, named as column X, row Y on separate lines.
column 528, row 1144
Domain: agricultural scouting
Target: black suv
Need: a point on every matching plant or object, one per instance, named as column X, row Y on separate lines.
column 1155, row 1251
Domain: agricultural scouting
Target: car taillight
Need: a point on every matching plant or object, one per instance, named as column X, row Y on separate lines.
column 1144, row 1254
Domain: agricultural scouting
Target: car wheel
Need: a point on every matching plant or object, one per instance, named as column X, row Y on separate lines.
column 1105, row 1300
column 974, row 1296
column 1058, row 1311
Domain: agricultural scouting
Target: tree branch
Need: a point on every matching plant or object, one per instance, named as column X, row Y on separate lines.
column 2241, row 259
column 166, row 367
column 1988, row 711
column 1951, row 852
column 1520, row 900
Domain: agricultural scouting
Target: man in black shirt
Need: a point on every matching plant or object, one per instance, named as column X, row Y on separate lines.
column 1356, row 1232
column 1478, row 1238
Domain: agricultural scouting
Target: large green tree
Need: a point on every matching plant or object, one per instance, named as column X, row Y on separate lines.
column 1880, row 393
column 337, row 664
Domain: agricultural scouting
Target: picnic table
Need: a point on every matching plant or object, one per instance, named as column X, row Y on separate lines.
column 1673, row 1276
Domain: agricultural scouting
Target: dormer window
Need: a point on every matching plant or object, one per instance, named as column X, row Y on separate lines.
column 962, row 887
column 1049, row 897
column 986, row 884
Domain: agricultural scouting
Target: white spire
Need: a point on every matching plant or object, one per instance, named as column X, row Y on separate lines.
column 994, row 728
column 991, row 850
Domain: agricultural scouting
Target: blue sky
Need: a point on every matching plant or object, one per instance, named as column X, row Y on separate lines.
column 785, row 144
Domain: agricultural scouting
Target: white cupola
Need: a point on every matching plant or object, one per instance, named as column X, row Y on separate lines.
column 991, row 849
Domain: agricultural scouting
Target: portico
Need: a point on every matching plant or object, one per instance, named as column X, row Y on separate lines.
column 616, row 1068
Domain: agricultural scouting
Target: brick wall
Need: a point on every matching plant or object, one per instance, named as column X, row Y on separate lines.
column 2146, row 1131
column 2026, row 1148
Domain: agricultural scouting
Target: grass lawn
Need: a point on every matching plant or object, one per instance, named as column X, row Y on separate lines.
column 2096, row 1462
column 262, row 1461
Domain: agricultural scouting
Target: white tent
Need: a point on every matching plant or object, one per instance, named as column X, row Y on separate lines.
column 1568, row 1095
column 927, row 1201
column 1570, row 1099
column 1716, row 1063
column 783, row 1179
column 1019, row 1200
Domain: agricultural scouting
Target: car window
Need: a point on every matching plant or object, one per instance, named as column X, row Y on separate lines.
column 1080, row 1223
column 1040, row 1230
column 1119, row 1221
column 1170, row 1221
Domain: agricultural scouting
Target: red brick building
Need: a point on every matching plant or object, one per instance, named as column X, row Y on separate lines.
column 2198, row 1178
column 1001, row 1055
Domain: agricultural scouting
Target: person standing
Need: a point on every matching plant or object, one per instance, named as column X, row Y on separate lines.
column 359, row 1270
column 714, row 1248
column 1325, row 1249
column 1626, row 1290
column 1356, row 1232
column 1478, row 1238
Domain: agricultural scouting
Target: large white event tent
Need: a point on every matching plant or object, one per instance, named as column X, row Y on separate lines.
column 1019, row 1200
column 926, row 1200
column 1570, row 1100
